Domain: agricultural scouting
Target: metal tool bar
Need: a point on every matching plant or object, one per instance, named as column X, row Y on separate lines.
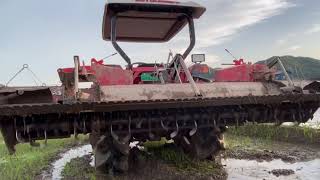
column 189, row 76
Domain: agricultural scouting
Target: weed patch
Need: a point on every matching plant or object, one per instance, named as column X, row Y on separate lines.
column 295, row 134
column 79, row 168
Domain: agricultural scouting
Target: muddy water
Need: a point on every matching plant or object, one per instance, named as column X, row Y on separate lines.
column 236, row 169
column 59, row 165
column 66, row 157
column 252, row 170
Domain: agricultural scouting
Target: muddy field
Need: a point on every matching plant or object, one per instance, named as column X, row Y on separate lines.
column 244, row 158
column 252, row 152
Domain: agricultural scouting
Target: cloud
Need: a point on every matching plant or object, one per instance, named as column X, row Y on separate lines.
column 314, row 29
column 285, row 39
column 281, row 41
column 221, row 22
column 294, row 48
column 225, row 18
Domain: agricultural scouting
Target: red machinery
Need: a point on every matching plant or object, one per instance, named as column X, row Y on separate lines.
column 147, row 102
column 245, row 72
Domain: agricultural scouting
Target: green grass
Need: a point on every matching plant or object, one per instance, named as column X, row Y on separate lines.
column 295, row 134
column 79, row 168
column 235, row 142
column 178, row 159
column 28, row 162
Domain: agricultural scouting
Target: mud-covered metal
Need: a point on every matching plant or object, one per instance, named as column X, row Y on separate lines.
column 184, row 91
column 25, row 95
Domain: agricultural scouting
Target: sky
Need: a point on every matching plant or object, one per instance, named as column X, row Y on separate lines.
column 47, row 34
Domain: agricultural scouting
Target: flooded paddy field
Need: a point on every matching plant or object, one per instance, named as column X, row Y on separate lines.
column 244, row 158
column 252, row 152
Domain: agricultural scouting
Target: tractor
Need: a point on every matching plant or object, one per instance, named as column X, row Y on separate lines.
column 146, row 102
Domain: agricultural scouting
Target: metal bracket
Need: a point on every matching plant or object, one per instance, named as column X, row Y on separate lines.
column 76, row 75
column 189, row 76
column 291, row 84
column 114, row 41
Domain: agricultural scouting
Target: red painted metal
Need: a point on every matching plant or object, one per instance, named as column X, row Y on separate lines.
column 243, row 73
column 111, row 75
column 104, row 74
column 238, row 62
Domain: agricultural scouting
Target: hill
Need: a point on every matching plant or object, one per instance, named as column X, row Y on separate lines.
column 299, row 67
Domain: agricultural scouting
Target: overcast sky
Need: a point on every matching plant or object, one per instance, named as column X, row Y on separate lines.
column 46, row 34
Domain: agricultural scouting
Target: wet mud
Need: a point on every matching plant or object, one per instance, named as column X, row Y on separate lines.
column 287, row 152
column 142, row 166
column 271, row 160
column 282, row 172
column 275, row 169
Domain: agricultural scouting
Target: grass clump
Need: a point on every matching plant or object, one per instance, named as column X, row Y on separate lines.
column 28, row 162
column 296, row 134
column 79, row 168
column 1, row 139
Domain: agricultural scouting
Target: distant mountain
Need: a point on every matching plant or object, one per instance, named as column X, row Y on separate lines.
column 299, row 67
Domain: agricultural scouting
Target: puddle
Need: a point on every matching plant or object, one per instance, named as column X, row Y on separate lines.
column 252, row 170
column 66, row 157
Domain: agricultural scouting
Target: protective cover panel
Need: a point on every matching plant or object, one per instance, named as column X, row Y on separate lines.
column 148, row 21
